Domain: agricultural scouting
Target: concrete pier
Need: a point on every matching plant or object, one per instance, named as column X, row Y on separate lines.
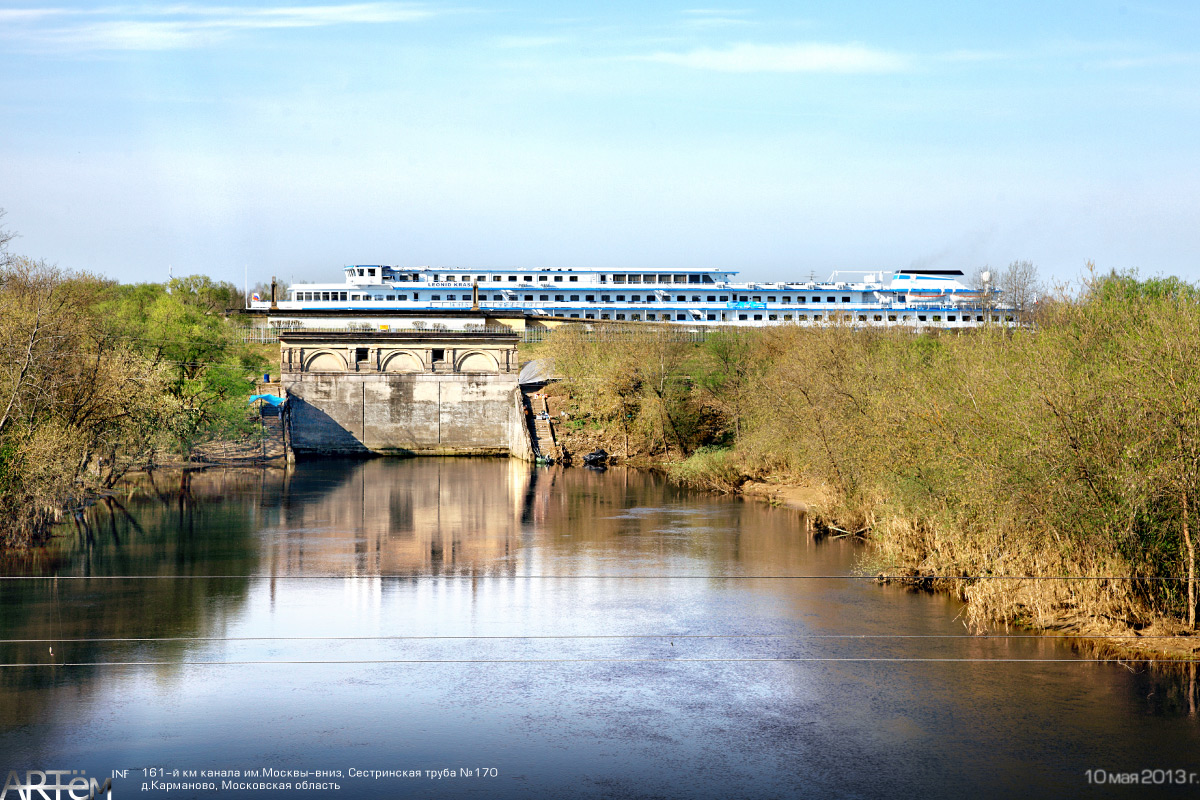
column 403, row 393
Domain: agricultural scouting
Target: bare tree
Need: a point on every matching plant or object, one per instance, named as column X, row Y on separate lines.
column 6, row 236
column 1020, row 287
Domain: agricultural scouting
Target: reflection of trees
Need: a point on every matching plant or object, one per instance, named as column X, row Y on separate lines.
column 168, row 524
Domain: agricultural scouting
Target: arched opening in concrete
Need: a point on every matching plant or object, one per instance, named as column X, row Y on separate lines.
column 477, row 361
column 403, row 361
column 325, row 361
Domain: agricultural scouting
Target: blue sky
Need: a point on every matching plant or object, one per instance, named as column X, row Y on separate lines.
column 778, row 139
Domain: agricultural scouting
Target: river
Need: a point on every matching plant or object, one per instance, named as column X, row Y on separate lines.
column 551, row 633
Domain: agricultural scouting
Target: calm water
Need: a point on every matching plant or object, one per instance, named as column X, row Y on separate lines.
column 582, row 634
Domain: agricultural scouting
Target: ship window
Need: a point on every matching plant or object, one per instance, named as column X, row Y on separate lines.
column 712, row 298
column 591, row 298
column 693, row 278
column 664, row 278
column 453, row 296
column 680, row 279
column 921, row 317
column 574, row 316
column 604, row 316
column 845, row 299
column 356, row 297
column 343, row 297
column 574, row 298
column 802, row 316
column 620, row 298
column 481, row 278
column 758, row 298
column 891, row 317
column 558, row 278
column 542, row 277
column 979, row 319
column 816, row 317
column 495, row 277
column 758, row 316
column 604, row 298
column 771, row 299
column 449, row 278
column 573, row 279
column 528, row 297
column 438, row 355
column 589, row 316
column 787, row 317
column 682, row 298
column 391, row 297
column 649, row 317
column 636, row 317
column 787, row 299
column 620, row 316
column 711, row 317
column 512, row 278
column 360, row 272
column 528, row 277
column 634, row 297
column 416, row 296
column 862, row 317
column 724, row 298
column 401, row 297
column 695, row 298
column 878, row 318
column 772, row 316
column 816, row 299
column 937, row 317
column 801, row 299
column 618, row 278
column 603, row 278
column 543, row 297
column 830, row 299
column 950, row 319
column 635, row 278
column 1008, row 318
column 371, row 272
column 360, row 354
column 436, row 297
column 741, row 316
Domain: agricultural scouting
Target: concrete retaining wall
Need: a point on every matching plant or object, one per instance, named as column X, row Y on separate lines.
column 406, row 414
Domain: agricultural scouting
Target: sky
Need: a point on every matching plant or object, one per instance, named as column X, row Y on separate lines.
column 782, row 140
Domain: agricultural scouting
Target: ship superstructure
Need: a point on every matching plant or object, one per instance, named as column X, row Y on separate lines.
column 692, row 297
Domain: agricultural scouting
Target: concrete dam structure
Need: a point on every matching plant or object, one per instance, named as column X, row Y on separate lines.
column 410, row 392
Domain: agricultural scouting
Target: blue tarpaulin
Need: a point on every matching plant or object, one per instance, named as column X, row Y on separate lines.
column 274, row 400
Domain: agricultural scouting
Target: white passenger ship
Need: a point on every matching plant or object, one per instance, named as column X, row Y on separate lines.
column 906, row 297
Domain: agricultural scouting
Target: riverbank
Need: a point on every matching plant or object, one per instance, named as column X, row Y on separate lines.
column 1057, row 466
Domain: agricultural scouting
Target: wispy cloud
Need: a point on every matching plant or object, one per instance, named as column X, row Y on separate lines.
column 1151, row 61
column 715, row 17
column 185, row 26
column 798, row 57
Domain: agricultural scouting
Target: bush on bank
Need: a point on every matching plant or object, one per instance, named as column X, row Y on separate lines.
column 99, row 378
column 1069, row 447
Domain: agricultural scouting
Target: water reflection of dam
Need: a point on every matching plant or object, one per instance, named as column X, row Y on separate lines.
column 429, row 516
column 487, row 516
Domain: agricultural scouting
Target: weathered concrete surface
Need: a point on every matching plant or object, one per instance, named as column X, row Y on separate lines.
column 405, row 414
column 410, row 392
